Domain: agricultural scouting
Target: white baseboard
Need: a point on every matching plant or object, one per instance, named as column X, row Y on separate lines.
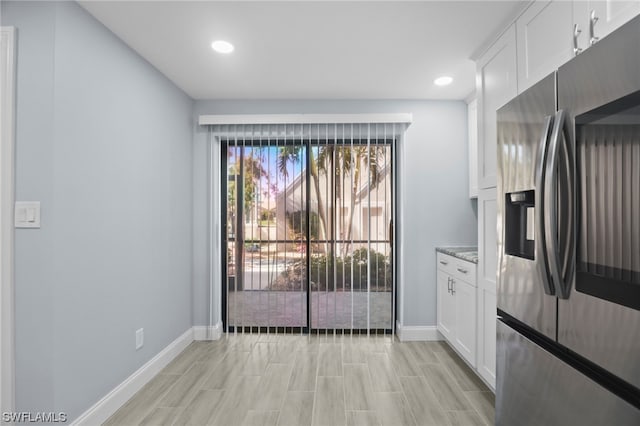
column 410, row 333
column 208, row 333
column 115, row 399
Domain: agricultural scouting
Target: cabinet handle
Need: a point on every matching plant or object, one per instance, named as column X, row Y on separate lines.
column 448, row 284
column 464, row 271
column 442, row 262
column 576, row 32
column 453, row 286
column 592, row 33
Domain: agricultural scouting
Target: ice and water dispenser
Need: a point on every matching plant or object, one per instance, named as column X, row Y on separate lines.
column 519, row 224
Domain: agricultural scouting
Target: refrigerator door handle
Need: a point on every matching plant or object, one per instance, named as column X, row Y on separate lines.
column 569, row 252
column 547, row 283
column 559, row 267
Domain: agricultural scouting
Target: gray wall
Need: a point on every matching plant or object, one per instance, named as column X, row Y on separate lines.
column 104, row 143
column 434, row 176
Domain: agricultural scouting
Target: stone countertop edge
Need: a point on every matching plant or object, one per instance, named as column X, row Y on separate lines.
column 470, row 254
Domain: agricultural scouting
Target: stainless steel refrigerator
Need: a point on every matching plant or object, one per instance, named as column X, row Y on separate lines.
column 568, row 331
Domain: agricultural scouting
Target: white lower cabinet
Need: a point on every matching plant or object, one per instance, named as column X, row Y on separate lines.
column 466, row 310
column 465, row 338
column 446, row 306
column 456, row 305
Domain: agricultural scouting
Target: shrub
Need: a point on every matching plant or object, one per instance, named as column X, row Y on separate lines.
column 298, row 223
column 351, row 273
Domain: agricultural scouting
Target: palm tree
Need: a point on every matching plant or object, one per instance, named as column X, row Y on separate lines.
column 348, row 162
column 253, row 169
column 292, row 154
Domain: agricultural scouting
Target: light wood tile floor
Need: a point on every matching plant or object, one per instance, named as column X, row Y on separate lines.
column 252, row 379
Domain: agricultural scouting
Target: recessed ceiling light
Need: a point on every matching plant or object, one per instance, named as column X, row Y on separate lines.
column 222, row 46
column 443, row 81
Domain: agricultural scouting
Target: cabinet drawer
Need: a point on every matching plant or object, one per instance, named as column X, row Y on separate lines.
column 446, row 263
column 464, row 271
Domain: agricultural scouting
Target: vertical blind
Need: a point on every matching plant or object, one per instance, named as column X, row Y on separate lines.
column 307, row 212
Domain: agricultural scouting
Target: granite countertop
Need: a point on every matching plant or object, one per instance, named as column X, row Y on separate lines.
column 470, row 254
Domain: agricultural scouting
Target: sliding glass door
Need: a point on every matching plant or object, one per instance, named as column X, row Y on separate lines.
column 266, row 241
column 308, row 244
column 350, row 262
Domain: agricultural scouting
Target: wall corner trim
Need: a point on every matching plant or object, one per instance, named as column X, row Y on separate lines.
column 8, row 37
column 412, row 333
column 110, row 403
column 115, row 399
column 213, row 332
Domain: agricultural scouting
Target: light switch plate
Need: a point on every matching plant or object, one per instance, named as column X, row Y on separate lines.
column 27, row 214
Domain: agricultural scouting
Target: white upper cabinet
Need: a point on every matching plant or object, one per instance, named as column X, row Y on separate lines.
column 550, row 32
column 472, row 122
column 545, row 36
column 545, row 40
column 596, row 19
column 496, row 84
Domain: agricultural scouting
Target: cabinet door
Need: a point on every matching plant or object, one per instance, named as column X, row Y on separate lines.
column 610, row 13
column 472, row 123
column 544, row 39
column 465, row 308
column 496, row 85
column 487, row 239
column 487, row 277
column 487, row 317
column 445, row 307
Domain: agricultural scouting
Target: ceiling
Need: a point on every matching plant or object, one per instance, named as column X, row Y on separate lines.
column 310, row 49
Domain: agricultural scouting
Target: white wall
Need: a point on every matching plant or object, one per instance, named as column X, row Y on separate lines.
column 434, row 177
column 103, row 141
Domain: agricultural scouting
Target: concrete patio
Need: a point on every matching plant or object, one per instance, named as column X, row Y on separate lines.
column 329, row 310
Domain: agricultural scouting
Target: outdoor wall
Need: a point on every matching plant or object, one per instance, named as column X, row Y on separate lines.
column 104, row 143
column 433, row 172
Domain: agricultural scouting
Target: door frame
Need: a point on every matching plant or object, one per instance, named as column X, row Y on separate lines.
column 220, row 149
column 7, row 197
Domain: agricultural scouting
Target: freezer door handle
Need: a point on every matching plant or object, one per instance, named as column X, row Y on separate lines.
column 560, row 263
column 576, row 33
column 569, row 252
column 543, row 146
